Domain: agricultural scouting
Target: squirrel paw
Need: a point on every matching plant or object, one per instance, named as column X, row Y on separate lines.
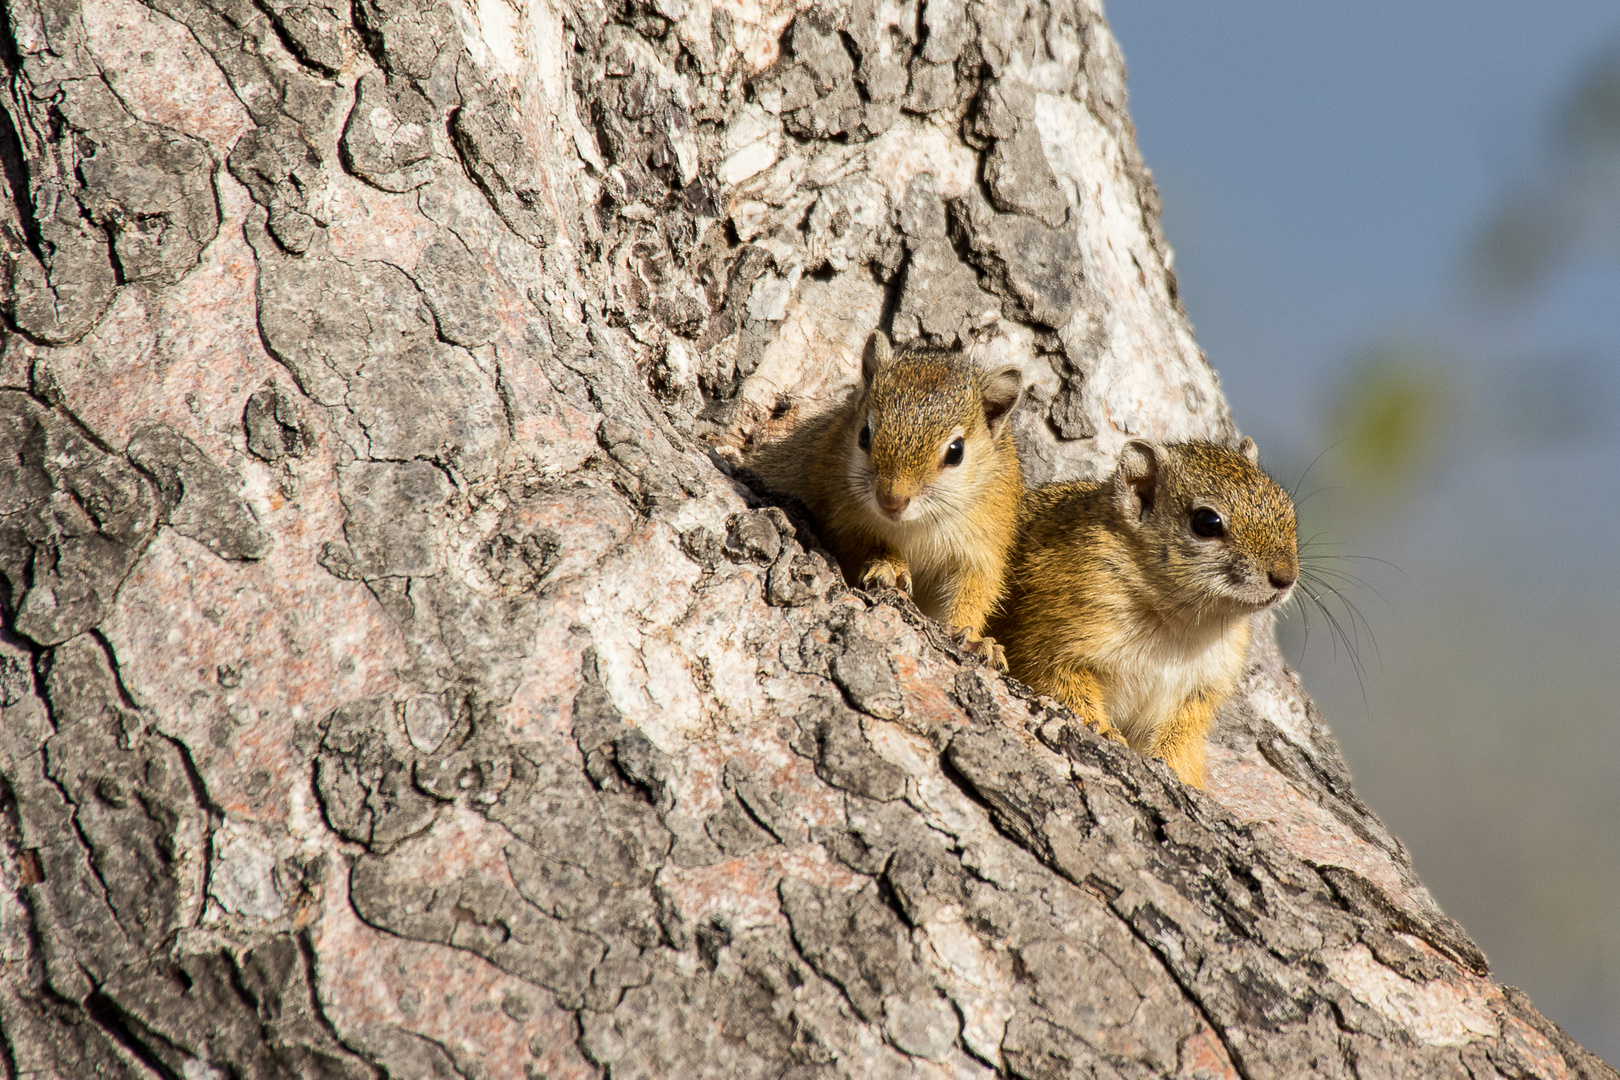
column 886, row 575
column 1102, row 727
column 985, row 646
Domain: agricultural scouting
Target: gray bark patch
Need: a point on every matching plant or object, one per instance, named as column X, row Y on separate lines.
column 73, row 520
column 281, row 169
column 275, row 425
column 853, row 940
column 1039, row 270
column 1021, row 180
column 132, row 804
column 457, row 289
column 408, row 38
column 484, row 916
column 485, row 134
column 363, row 778
column 324, row 319
column 153, row 190
column 387, row 141
column 390, row 508
column 818, row 94
column 429, row 401
column 865, row 675
column 317, row 31
column 941, row 297
column 59, row 298
column 799, row 577
column 933, row 87
column 253, row 1010
column 830, row 735
column 202, row 500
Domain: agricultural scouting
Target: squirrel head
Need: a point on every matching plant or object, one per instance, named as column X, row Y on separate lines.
column 1212, row 531
column 928, row 431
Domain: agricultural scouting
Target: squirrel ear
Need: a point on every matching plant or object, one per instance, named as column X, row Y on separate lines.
column 1002, row 389
column 1249, row 450
column 1136, row 482
column 877, row 355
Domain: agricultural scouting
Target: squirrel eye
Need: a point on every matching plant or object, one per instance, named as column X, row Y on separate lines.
column 953, row 452
column 865, row 438
column 1207, row 523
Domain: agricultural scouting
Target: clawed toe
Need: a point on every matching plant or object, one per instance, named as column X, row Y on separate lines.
column 883, row 576
column 1108, row 731
column 985, row 647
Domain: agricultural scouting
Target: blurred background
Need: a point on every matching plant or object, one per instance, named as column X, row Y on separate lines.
column 1397, row 231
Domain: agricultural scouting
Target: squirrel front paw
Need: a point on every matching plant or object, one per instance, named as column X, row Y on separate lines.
column 886, row 574
column 1101, row 726
column 985, row 646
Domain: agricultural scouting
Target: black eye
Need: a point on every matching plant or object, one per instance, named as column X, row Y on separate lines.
column 954, row 452
column 865, row 438
column 1207, row 523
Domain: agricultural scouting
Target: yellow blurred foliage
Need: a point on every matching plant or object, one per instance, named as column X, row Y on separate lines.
column 1388, row 419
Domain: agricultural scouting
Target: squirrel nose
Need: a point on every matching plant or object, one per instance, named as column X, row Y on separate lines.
column 1283, row 580
column 893, row 504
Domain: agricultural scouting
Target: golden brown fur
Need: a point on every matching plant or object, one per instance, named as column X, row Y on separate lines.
column 1117, row 607
column 948, row 544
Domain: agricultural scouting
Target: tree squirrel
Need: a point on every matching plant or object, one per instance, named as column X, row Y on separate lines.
column 914, row 481
column 1130, row 600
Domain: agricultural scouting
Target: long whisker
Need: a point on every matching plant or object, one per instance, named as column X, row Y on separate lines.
column 1317, row 491
column 1307, row 551
column 1358, row 622
column 1325, row 574
column 1294, row 491
column 1323, row 566
column 1286, row 611
column 1349, row 636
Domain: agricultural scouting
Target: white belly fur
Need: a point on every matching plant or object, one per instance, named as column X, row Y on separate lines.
column 1147, row 681
column 936, row 561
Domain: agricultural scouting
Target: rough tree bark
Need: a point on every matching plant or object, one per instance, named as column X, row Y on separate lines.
column 397, row 677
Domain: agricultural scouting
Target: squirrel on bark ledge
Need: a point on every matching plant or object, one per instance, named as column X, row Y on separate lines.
column 1130, row 600
column 914, row 481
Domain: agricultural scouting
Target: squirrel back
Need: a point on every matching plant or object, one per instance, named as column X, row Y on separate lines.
column 1130, row 600
column 914, row 478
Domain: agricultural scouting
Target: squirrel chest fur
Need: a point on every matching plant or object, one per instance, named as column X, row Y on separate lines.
column 915, row 481
column 1131, row 600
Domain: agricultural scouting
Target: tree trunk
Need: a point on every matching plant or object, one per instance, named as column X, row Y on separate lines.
column 399, row 679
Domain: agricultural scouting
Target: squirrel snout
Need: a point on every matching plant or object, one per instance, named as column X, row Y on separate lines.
column 1281, row 580
column 892, row 504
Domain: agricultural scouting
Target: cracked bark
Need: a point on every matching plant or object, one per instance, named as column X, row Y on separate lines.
column 399, row 677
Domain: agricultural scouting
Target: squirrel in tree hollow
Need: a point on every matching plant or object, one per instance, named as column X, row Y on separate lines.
column 1130, row 600
column 914, row 481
